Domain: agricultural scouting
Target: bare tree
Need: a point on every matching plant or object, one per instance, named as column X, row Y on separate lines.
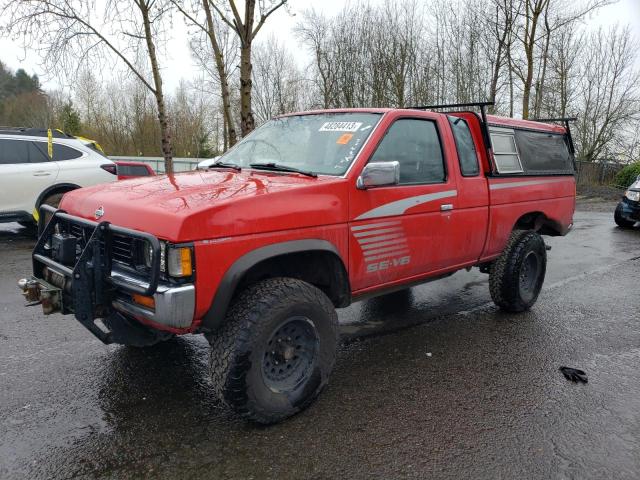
column 213, row 34
column 247, row 28
column 314, row 31
column 610, row 93
column 276, row 80
column 68, row 34
column 540, row 19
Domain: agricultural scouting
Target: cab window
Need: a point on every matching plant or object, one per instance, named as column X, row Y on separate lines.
column 466, row 148
column 415, row 145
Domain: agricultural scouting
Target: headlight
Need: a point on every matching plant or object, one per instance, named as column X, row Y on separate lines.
column 148, row 252
column 633, row 195
column 179, row 262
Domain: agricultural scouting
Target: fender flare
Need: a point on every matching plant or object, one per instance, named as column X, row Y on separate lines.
column 215, row 316
column 58, row 186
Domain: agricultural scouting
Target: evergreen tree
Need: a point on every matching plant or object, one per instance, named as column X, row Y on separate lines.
column 70, row 119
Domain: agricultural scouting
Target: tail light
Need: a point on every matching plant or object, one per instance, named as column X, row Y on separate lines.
column 110, row 167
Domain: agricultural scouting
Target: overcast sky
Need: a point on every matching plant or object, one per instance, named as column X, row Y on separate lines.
column 179, row 65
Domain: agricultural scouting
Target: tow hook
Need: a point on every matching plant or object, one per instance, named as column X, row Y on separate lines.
column 40, row 293
column 30, row 291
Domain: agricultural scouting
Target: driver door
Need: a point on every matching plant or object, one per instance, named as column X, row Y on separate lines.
column 402, row 231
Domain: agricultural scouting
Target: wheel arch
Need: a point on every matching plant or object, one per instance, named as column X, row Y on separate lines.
column 315, row 261
column 539, row 222
column 55, row 189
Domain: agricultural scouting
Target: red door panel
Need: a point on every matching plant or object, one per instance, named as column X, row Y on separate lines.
column 405, row 233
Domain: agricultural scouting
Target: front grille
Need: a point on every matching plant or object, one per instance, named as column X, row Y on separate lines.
column 125, row 251
column 122, row 250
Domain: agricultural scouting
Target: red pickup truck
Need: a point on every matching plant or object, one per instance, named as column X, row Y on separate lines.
column 309, row 213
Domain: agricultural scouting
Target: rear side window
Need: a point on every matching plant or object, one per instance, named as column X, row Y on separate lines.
column 465, row 146
column 531, row 152
column 133, row 170
column 505, row 151
column 542, row 152
column 414, row 144
column 62, row 152
column 20, row 151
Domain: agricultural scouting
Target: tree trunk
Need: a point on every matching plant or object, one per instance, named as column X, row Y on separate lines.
column 230, row 132
column 543, row 74
column 529, row 47
column 165, row 135
column 247, row 122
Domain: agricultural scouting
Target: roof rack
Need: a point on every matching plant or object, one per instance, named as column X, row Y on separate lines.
column 483, row 114
column 560, row 119
column 453, row 105
column 34, row 132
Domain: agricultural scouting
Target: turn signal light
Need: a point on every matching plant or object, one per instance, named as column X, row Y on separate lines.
column 148, row 302
column 179, row 262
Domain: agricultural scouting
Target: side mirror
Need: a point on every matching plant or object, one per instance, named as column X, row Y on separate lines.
column 379, row 174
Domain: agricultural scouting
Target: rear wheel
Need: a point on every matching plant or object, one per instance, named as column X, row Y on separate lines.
column 516, row 277
column 53, row 201
column 276, row 349
column 620, row 220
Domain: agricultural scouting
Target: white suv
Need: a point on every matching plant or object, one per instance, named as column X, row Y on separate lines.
column 29, row 178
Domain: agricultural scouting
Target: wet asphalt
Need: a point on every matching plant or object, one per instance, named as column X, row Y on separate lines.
column 433, row 382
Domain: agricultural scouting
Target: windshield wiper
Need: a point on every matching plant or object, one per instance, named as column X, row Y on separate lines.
column 276, row 167
column 232, row 166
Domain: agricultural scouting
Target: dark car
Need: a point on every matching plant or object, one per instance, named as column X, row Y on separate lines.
column 628, row 210
column 128, row 169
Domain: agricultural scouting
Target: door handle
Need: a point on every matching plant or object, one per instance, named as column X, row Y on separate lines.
column 445, row 207
column 41, row 174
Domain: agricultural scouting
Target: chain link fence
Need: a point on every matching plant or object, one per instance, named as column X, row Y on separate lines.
column 157, row 163
column 597, row 173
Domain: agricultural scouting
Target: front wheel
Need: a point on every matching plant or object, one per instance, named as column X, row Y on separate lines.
column 274, row 354
column 516, row 277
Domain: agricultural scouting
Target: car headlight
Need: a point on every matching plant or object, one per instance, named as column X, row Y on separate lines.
column 633, row 195
column 148, row 252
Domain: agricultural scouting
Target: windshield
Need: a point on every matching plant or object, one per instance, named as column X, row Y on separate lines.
column 323, row 143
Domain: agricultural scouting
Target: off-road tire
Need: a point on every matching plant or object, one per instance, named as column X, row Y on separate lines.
column 620, row 220
column 240, row 349
column 513, row 287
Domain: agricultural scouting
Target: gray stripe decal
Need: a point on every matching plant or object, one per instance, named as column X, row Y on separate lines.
column 500, row 186
column 386, row 255
column 382, row 244
column 379, row 238
column 400, row 246
column 380, row 231
column 400, row 206
column 373, row 225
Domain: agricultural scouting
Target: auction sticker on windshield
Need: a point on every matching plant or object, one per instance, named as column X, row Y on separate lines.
column 340, row 127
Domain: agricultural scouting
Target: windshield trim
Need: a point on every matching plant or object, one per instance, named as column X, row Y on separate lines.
column 381, row 114
column 364, row 145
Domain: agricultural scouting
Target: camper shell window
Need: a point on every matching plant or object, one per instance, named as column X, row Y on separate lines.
column 530, row 152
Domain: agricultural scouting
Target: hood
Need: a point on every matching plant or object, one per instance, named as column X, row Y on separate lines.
column 210, row 204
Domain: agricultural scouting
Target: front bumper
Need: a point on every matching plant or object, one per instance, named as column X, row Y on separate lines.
column 79, row 276
column 174, row 307
column 630, row 210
